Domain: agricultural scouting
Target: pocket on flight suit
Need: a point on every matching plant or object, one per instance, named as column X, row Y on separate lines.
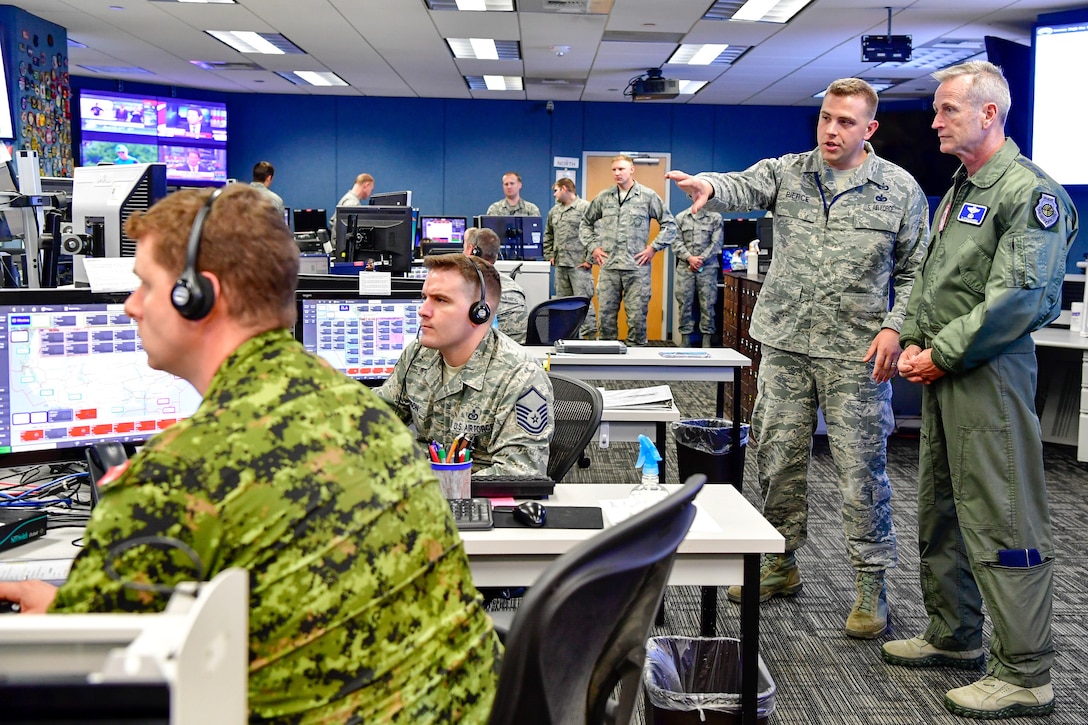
column 984, row 461
column 974, row 265
column 1028, row 260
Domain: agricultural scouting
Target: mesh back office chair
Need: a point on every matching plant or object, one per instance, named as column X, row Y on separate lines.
column 556, row 319
column 576, row 408
column 582, row 627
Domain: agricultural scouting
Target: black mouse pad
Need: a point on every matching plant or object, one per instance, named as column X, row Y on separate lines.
column 559, row 517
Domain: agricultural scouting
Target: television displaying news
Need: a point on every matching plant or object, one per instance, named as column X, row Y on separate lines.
column 120, row 128
column 194, row 163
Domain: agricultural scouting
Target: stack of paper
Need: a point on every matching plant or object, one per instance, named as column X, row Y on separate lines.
column 659, row 396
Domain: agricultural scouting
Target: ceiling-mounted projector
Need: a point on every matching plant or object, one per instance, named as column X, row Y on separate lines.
column 653, row 87
column 886, row 48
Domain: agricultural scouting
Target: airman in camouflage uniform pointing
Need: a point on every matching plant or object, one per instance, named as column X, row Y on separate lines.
column 847, row 226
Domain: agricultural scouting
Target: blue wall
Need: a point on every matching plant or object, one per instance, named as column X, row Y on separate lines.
column 452, row 153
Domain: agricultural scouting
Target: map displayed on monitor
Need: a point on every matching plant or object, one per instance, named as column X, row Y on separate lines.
column 363, row 338
column 76, row 374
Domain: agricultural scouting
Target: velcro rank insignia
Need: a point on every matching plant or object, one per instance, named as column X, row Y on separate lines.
column 532, row 412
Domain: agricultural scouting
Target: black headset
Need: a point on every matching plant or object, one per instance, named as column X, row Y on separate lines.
column 480, row 312
column 193, row 294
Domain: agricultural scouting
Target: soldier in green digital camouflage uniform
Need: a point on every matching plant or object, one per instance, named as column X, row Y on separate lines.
column 992, row 276
column 847, row 226
column 616, row 230
column 698, row 250
column 461, row 377
column 362, row 608
column 564, row 248
column 512, row 204
column 513, row 313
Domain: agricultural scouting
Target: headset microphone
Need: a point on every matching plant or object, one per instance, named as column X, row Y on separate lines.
column 479, row 312
column 193, row 294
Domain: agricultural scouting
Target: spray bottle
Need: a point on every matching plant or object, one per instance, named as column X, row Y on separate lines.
column 650, row 488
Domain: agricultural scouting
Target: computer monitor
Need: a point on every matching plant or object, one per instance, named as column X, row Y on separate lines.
column 443, row 229
column 361, row 336
column 73, row 373
column 310, row 220
column 379, row 234
column 391, row 198
column 103, row 198
column 520, row 237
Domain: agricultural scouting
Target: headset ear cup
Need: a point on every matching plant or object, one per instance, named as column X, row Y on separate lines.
column 193, row 295
column 480, row 312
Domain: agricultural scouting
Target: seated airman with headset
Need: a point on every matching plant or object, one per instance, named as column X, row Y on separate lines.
column 512, row 314
column 362, row 607
column 463, row 378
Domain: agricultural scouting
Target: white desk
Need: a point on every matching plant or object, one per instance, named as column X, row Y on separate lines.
column 626, row 424
column 1062, row 405
column 715, row 364
column 722, row 557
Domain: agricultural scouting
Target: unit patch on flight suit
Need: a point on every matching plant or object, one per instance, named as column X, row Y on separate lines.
column 1046, row 210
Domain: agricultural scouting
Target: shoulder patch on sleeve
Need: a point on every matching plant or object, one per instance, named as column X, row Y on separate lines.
column 1046, row 210
column 532, row 411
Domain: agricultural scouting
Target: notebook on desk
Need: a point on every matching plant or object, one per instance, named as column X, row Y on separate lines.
column 512, row 486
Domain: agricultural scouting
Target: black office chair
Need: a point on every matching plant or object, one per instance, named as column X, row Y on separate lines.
column 556, row 319
column 582, row 627
column 576, row 409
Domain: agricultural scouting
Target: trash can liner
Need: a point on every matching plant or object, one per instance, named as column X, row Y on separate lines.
column 700, row 674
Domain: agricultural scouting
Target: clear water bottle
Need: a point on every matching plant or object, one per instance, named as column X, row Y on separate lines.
column 649, row 490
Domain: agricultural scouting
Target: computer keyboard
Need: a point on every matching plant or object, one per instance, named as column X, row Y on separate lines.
column 472, row 514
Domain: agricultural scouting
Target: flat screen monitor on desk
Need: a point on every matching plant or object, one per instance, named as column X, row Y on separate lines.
column 520, row 237
column 361, row 336
column 443, row 229
column 382, row 235
column 310, row 220
column 391, row 198
column 73, row 372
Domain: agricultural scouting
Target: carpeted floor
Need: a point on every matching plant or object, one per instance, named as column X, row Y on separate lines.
column 823, row 676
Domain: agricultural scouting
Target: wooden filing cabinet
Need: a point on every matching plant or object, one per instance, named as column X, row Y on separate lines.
column 738, row 300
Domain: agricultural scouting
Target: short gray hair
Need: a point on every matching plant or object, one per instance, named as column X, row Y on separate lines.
column 987, row 85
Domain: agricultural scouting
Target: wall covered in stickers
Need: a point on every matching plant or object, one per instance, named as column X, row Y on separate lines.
column 35, row 54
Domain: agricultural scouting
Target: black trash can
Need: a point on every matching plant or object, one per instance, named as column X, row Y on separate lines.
column 705, row 445
column 696, row 680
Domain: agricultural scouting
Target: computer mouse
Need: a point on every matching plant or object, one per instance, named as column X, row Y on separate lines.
column 530, row 513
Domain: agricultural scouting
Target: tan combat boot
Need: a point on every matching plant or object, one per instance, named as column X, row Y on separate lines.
column 869, row 617
column 778, row 577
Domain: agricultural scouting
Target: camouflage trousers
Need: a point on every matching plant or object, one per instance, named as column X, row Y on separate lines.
column 578, row 281
column 703, row 284
column 632, row 287
column 858, row 414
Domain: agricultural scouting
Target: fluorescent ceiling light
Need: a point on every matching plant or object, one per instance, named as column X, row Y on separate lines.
column 207, row 2
column 697, row 54
column 688, row 88
column 313, row 78
column 754, row 9
column 495, row 83
column 766, row 11
column 247, row 41
column 501, row 6
column 484, row 48
column 879, row 85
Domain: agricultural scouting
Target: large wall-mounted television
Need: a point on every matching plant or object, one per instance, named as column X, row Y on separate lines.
column 189, row 137
column 1058, row 143
column 73, row 373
